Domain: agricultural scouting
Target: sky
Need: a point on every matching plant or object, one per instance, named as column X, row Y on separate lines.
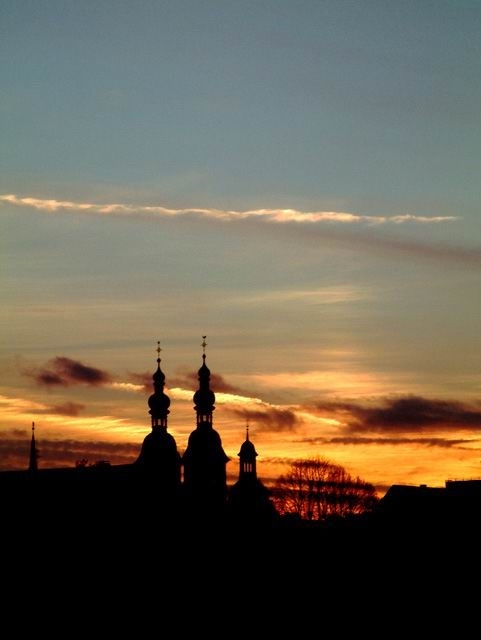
column 298, row 181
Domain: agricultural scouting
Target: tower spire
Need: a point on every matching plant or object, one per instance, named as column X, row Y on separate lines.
column 33, row 461
column 159, row 402
column 204, row 460
column 159, row 459
column 204, row 397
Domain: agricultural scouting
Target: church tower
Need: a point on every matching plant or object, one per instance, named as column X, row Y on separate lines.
column 247, row 460
column 249, row 500
column 204, row 459
column 159, row 461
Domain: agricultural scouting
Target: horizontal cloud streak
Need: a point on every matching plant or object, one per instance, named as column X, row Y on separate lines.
column 268, row 215
column 190, row 380
column 346, row 230
column 444, row 443
column 14, row 450
column 68, row 409
column 406, row 414
column 270, row 419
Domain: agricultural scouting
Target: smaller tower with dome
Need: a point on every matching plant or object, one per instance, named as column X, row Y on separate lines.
column 249, row 500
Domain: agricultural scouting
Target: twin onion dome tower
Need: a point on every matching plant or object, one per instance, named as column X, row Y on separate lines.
column 197, row 478
column 160, row 488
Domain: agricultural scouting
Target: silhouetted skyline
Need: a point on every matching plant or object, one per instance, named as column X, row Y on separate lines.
column 296, row 180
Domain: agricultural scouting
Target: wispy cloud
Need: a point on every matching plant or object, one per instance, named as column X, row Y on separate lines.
column 444, row 443
column 268, row 215
column 324, row 295
column 347, row 230
column 14, row 406
column 68, row 408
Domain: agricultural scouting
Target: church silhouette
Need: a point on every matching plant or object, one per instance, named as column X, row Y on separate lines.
column 169, row 496
column 161, row 488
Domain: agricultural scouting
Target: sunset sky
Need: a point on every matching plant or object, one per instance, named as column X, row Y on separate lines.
column 297, row 180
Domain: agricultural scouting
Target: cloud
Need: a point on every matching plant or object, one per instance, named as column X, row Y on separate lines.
column 141, row 381
column 324, row 295
column 308, row 226
column 15, row 447
column 268, row 215
column 444, row 443
column 190, row 380
column 68, row 409
column 128, row 386
column 62, row 371
column 14, row 406
column 406, row 414
column 270, row 419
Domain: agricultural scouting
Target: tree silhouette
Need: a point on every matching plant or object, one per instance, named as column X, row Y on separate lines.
column 317, row 489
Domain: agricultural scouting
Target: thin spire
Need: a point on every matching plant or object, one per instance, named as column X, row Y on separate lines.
column 203, row 345
column 33, row 462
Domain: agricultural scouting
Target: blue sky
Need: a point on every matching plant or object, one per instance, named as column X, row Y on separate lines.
column 300, row 181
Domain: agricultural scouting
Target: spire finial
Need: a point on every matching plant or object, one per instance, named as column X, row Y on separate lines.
column 33, row 427
column 203, row 345
column 158, row 351
column 247, row 430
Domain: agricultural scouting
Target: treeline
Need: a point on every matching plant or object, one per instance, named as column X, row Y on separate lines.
column 317, row 489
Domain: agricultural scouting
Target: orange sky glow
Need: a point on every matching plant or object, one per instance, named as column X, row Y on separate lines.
column 299, row 181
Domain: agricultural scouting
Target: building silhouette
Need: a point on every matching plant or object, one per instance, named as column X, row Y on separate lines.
column 204, row 460
column 163, row 492
column 161, row 488
column 159, row 460
column 249, row 497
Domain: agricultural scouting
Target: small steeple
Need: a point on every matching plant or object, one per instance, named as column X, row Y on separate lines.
column 33, row 461
column 247, row 458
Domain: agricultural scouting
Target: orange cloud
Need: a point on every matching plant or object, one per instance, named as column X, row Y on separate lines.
column 68, row 409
